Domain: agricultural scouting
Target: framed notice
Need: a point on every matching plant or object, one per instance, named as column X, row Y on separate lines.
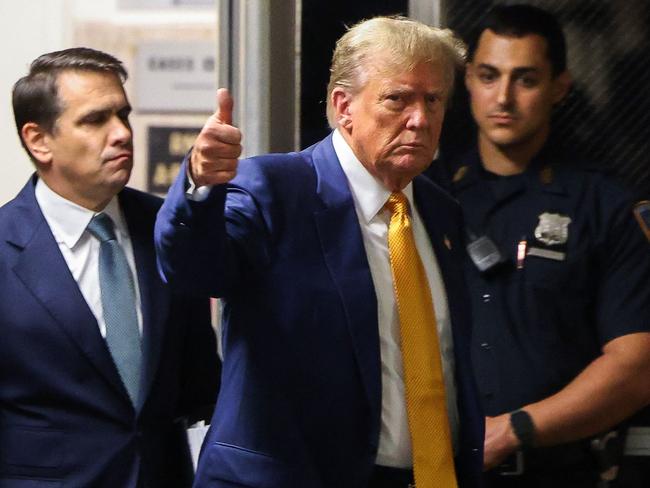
column 173, row 76
column 167, row 146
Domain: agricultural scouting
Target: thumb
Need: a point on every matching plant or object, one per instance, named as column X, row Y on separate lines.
column 224, row 106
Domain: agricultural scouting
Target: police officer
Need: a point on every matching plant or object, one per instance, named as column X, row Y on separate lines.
column 558, row 269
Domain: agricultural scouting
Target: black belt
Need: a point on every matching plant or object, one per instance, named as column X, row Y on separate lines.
column 385, row 477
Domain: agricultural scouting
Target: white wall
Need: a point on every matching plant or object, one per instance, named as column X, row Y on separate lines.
column 29, row 28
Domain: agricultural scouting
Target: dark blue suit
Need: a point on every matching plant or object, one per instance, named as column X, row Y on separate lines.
column 300, row 402
column 65, row 417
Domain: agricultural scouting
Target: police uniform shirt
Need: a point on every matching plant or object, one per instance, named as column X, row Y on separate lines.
column 575, row 275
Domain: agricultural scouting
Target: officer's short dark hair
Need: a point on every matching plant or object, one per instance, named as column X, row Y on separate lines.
column 519, row 20
column 35, row 96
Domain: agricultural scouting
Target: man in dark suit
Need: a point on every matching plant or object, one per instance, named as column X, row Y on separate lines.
column 306, row 250
column 72, row 412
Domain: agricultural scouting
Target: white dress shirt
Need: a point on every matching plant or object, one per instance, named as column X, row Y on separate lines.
column 68, row 222
column 370, row 196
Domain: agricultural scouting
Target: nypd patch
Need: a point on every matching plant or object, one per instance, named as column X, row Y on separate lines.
column 642, row 214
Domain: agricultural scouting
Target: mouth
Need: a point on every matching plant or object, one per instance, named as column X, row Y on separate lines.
column 121, row 156
column 502, row 118
column 413, row 146
column 121, row 161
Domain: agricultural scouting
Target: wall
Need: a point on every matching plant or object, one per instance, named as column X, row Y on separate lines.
column 33, row 27
column 27, row 29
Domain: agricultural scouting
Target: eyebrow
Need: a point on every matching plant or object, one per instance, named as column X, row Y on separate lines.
column 522, row 70
column 407, row 91
column 101, row 111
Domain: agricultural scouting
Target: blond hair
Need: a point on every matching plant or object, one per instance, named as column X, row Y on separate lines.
column 400, row 44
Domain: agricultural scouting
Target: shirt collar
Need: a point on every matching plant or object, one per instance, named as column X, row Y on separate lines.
column 369, row 194
column 68, row 220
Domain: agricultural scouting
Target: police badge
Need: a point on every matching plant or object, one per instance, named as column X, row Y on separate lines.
column 553, row 229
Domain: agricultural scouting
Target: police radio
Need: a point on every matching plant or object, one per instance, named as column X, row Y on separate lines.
column 483, row 252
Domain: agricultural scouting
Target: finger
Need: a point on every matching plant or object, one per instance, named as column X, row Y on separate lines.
column 215, row 178
column 224, row 106
column 221, row 165
column 220, row 133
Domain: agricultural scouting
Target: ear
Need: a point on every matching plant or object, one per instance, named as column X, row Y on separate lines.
column 469, row 73
column 37, row 141
column 341, row 101
column 562, row 84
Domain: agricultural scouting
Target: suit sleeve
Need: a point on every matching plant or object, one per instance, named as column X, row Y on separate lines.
column 201, row 367
column 208, row 247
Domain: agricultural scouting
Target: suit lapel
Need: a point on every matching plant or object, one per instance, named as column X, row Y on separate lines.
column 43, row 270
column 445, row 239
column 438, row 225
column 344, row 253
column 154, row 296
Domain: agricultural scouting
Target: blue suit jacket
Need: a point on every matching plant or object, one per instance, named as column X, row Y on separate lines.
column 65, row 416
column 300, row 400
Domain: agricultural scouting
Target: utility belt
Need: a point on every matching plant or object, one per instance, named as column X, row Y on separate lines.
column 637, row 441
column 600, row 455
column 577, row 455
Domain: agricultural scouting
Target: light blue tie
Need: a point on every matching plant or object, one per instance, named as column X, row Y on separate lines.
column 119, row 302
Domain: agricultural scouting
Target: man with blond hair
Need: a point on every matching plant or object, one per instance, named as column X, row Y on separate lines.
column 345, row 326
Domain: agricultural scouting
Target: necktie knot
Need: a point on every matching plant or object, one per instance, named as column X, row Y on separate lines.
column 102, row 227
column 398, row 203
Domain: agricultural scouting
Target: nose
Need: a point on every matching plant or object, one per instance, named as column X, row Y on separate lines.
column 418, row 117
column 121, row 132
column 504, row 92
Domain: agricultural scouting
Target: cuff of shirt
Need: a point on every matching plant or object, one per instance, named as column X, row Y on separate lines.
column 196, row 193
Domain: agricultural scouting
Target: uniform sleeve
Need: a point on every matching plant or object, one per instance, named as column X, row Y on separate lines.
column 623, row 298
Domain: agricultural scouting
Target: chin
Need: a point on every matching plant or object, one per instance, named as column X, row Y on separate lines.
column 413, row 166
column 503, row 138
column 120, row 179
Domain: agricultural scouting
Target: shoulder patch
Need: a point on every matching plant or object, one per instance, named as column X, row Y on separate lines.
column 459, row 174
column 642, row 214
column 546, row 175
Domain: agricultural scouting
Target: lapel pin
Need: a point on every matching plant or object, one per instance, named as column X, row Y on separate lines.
column 447, row 242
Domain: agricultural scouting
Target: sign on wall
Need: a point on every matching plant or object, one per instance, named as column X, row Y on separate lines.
column 167, row 147
column 175, row 77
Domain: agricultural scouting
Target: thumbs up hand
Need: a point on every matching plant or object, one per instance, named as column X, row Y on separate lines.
column 214, row 156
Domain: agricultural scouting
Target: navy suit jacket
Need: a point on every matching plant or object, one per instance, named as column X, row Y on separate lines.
column 300, row 399
column 65, row 416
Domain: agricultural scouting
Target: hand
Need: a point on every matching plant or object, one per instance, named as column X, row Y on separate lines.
column 214, row 156
column 500, row 441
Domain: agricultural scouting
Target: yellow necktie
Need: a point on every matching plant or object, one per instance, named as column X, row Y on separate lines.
column 433, row 460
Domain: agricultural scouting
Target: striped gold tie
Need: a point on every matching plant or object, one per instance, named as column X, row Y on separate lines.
column 433, row 460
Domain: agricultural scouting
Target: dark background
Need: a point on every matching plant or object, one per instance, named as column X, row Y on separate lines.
column 606, row 117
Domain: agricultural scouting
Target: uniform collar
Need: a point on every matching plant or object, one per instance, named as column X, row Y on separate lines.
column 541, row 173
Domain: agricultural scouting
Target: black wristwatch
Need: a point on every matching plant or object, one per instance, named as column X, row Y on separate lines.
column 523, row 427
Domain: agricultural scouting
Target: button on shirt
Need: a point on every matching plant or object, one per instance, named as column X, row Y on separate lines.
column 370, row 196
column 80, row 249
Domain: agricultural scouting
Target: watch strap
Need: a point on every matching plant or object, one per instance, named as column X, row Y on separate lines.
column 523, row 427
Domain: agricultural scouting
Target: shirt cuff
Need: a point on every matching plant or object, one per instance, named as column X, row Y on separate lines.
column 196, row 193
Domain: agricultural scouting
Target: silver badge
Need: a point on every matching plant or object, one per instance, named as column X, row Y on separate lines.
column 553, row 229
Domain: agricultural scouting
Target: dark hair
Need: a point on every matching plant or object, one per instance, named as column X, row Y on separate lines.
column 519, row 20
column 35, row 96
